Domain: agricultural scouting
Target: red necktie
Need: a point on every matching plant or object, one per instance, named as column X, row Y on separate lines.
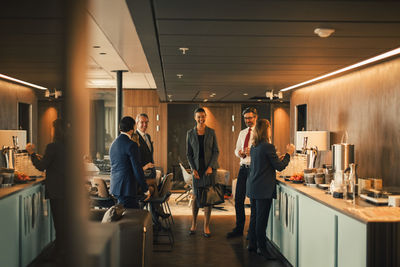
column 246, row 140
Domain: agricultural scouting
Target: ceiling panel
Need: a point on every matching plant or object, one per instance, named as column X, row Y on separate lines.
column 254, row 46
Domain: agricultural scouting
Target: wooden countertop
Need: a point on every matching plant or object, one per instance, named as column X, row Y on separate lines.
column 7, row 191
column 361, row 210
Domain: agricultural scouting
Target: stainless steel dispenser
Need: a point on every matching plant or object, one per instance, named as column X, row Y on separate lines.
column 342, row 156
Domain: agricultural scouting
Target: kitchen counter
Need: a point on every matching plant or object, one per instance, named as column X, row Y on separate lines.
column 311, row 228
column 7, row 191
column 361, row 210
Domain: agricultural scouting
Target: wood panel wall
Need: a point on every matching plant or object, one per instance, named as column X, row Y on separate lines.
column 47, row 113
column 10, row 95
column 281, row 126
column 366, row 104
column 219, row 117
column 147, row 101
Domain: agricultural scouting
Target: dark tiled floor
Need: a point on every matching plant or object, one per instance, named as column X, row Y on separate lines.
column 218, row 251
column 196, row 250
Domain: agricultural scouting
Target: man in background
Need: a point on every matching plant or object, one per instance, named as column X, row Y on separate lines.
column 146, row 156
column 126, row 169
column 242, row 151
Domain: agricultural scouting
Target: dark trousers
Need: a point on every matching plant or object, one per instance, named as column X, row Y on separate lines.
column 128, row 202
column 240, row 196
column 58, row 214
column 258, row 222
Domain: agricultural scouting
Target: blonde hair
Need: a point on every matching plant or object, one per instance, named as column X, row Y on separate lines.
column 261, row 132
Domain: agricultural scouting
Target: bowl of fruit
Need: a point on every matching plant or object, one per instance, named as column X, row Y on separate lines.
column 297, row 178
column 21, row 178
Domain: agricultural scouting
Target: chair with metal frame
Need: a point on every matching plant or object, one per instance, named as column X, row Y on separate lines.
column 103, row 198
column 167, row 221
column 188, row 186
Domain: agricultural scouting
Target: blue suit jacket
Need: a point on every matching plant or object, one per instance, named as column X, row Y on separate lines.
column 261, row 183
column 126, row 168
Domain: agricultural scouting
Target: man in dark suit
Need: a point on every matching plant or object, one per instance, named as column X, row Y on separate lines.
column 146, row 146
column 126, row 169
column 146, row 157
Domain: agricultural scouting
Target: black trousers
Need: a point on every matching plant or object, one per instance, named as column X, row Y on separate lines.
column 240, row 196
column 58, row 214
column 258, row 222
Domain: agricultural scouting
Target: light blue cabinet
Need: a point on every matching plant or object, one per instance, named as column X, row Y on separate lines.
column 351, row 242
column 9, row 231
column 284, row 223
column 311, row 234
column 317, row 234
column 25, row 226
column 35, row 223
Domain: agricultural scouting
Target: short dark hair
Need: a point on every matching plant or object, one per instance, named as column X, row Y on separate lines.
column 126, row 124
column 199, row 110
column 249, row 109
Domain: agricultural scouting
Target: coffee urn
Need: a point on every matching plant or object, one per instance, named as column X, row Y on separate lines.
column 342, row 156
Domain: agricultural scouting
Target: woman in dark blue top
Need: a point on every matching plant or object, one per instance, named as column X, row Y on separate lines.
column 202, row 153
column 261, row 184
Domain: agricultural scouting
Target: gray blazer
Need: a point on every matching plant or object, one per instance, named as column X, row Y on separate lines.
column 211, row 150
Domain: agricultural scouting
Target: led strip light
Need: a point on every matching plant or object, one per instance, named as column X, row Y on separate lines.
column 22, row 82
column 362, row 63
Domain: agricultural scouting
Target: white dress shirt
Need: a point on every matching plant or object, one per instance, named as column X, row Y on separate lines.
column 240, row 144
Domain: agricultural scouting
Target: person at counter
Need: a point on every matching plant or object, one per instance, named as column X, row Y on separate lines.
column 261, row 184
column 242, row 151
column 53, row 162
column 126, row 169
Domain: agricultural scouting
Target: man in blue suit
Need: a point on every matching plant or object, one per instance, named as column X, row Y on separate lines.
column 126, row 168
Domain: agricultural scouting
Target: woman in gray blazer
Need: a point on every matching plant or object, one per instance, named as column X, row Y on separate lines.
column 202, row 153
column 261, row 184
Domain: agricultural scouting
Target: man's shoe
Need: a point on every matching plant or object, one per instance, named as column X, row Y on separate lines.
column 234, row 233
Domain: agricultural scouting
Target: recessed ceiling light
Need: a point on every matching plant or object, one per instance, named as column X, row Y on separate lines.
column 259, row 100
column 324, row 32
column 357, row 65
column 183, row 50
column 245, row 94
column 96, row 46
column 212, row 95
column 102, row 53
column 205, row 100
column 179, row 75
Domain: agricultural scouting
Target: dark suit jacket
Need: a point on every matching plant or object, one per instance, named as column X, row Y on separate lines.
column 53, row 162
column 211, row 150
column 261, row 183
column 126, row 169
column 146, row 154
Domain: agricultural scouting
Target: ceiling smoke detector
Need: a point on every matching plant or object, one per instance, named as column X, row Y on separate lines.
column 324, row 32
column 183, row 50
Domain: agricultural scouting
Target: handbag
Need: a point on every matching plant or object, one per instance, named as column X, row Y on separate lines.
column 213, row 195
